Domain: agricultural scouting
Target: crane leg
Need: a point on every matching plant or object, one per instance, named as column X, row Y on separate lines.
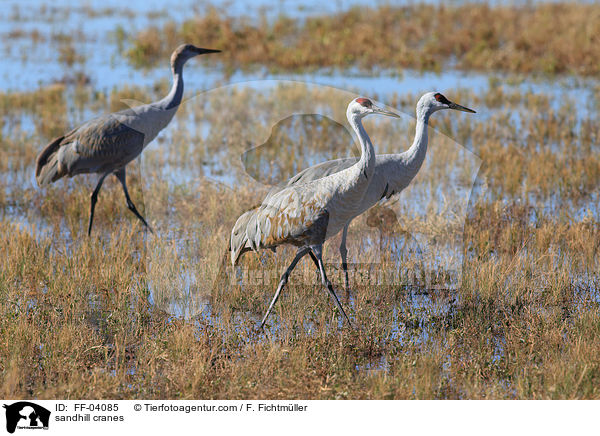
column 120, row 174
column 318, row 251
column 316, row 262
column 94, row 199
column 283, row 281
column 344, row 253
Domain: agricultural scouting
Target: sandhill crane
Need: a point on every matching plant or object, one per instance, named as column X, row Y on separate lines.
column 306, row 215
column 393, row 172
column 105, row 145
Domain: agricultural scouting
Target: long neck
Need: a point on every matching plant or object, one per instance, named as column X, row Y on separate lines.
column 173, row 99
column 405, row 166
column 415, row 155
column 366, row 164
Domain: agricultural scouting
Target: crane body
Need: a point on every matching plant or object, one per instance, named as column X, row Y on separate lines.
column 106, row 144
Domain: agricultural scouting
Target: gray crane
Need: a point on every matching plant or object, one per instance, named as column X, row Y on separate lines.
column 308, row 214
column 105, row 145
column 393, row 173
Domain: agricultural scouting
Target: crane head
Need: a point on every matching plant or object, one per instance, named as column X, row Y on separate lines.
column 188, row 51
column 435, row 101
column 362, row 107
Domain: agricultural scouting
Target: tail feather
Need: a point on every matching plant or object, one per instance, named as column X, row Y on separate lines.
column 239, row 238
column 47, row 168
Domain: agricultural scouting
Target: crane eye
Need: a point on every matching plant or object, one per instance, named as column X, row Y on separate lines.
column 364, row 102
column 439, row 97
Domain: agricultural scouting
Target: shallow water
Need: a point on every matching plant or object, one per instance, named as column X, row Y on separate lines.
column 27, row 65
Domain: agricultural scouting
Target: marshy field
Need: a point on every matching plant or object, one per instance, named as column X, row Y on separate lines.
column 480, row 281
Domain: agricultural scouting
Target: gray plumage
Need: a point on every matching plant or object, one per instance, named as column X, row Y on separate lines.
column 106, row 144
column 100, row 145
column 238, row 234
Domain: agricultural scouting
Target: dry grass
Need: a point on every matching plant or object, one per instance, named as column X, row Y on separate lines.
column 543, row 38
column 100, row 317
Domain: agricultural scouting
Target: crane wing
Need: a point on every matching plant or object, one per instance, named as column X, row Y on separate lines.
column 315, row 172
column 106, row 138
column 322, row 170
column 100, row 145
column 290, row 216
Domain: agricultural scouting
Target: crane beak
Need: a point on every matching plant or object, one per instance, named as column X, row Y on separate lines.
column 201, row 51
column 381, row 111
column 458, row 107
